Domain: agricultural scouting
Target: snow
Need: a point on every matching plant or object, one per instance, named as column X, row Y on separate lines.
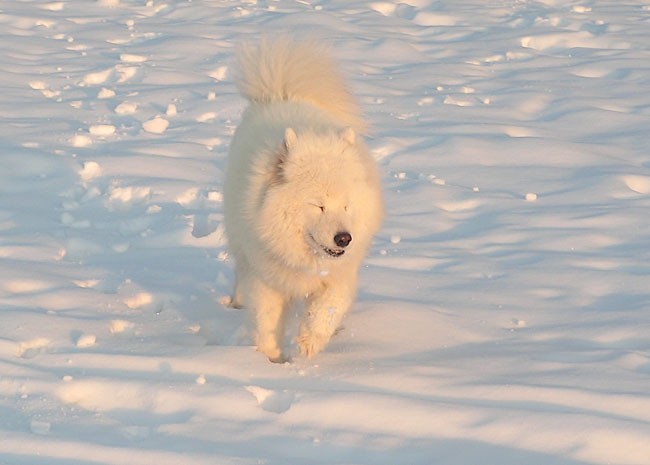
column 158, row 125
column 503, row 312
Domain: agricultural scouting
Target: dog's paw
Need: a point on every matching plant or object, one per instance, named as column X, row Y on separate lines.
column 312, row 343
column 281, row 359
column 274, row 353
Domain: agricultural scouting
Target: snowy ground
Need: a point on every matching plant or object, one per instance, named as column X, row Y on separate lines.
column 503, row 315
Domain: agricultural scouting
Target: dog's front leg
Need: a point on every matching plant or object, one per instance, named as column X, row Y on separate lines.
column 268, row 306
column 324, row 312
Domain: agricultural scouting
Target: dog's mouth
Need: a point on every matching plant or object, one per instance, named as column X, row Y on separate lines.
column 333, row 253
column 328, row 251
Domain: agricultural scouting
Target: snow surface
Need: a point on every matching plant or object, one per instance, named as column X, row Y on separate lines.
column 503, row 315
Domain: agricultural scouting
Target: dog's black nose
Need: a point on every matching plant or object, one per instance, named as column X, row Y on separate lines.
column 342, row 239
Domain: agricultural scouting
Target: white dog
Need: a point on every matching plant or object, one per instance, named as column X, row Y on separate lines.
column 302, row 197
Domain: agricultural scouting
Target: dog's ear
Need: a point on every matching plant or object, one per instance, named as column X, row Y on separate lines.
column 348, row 135
column 290, row 139
column 288, row 143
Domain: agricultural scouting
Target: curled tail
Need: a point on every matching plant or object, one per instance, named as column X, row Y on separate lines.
column 285, row 69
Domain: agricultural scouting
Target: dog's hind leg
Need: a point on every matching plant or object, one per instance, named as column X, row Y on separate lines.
column 241, row 273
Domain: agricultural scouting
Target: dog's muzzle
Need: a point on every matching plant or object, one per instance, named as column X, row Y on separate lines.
column 341, row 239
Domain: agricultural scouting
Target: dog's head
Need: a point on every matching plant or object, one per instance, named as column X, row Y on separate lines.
column 322, row 201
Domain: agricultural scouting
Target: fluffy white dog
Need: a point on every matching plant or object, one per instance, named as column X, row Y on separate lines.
column 302, row 196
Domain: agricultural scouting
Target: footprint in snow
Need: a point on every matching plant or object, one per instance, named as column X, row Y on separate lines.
column 32, row 348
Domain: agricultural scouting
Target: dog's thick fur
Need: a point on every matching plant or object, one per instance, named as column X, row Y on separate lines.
column 302, row 196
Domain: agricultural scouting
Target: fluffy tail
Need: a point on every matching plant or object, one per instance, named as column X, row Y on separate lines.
column 285, row 69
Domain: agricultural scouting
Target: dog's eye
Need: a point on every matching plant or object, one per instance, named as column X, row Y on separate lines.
column 317, row 205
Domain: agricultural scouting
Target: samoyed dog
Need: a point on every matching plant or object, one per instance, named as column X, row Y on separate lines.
column 302, row 196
